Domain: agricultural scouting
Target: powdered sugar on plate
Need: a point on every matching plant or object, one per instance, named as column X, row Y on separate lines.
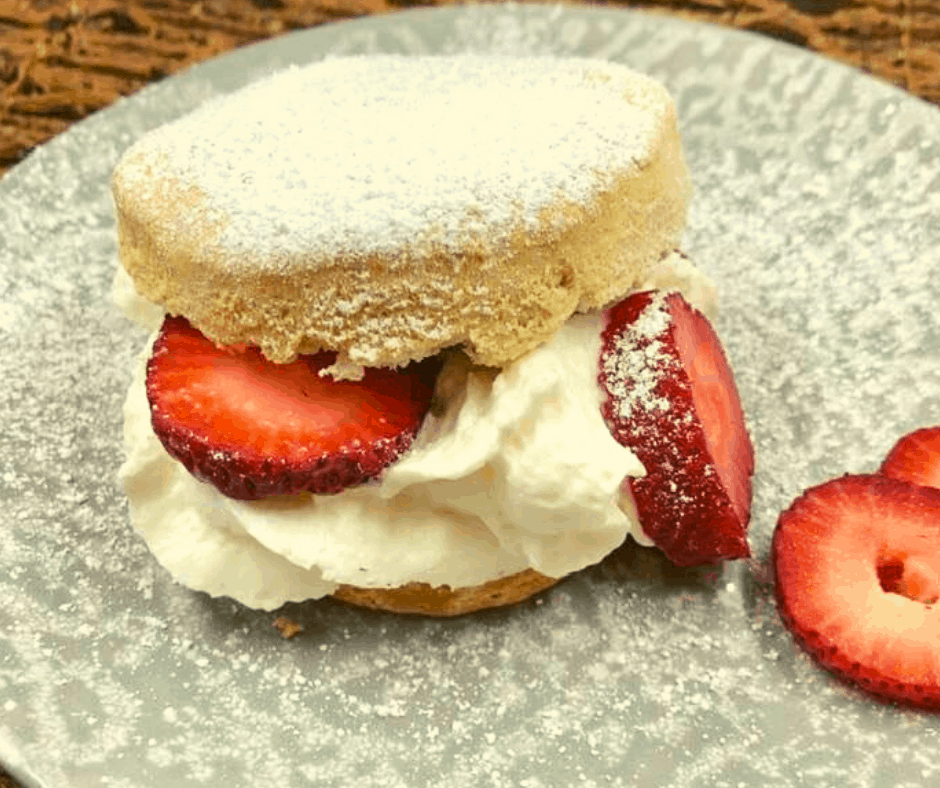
column 815, row 214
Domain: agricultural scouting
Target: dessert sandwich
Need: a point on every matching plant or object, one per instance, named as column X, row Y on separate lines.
column 422, row 338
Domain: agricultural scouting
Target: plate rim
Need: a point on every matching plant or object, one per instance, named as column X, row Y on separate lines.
column 9, row 753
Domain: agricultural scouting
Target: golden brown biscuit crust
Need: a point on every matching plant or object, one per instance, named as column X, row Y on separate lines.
column 443, row 601
column 497, row 297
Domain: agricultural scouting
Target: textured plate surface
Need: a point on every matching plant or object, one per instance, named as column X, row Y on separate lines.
column 817, row 195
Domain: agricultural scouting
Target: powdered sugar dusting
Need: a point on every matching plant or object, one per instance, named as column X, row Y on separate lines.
column 815, row 212
column 637, row 360
column 342, row 157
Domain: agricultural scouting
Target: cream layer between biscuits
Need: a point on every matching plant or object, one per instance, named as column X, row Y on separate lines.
column 520, row 471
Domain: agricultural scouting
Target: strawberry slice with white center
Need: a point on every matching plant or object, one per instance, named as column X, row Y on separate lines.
column 916, row 458
column 671, row 399
column 857, row 563
column 255, row 429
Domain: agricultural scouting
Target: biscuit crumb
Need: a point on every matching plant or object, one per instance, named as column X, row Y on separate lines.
column 287, row 628
column 343, row 369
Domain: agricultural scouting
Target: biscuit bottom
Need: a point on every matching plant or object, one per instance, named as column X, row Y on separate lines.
column 427, row 600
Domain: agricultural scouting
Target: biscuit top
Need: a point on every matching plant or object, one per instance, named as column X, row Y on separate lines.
column 342, row 157
column 386, row 207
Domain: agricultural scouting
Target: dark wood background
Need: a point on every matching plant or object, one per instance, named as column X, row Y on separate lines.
column 61, row 60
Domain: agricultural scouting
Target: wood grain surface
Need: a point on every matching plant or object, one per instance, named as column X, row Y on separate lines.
column 62, row 60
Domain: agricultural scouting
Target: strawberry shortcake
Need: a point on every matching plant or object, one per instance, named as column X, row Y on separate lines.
column 422, row 340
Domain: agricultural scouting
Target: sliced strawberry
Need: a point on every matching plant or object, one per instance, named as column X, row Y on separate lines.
column 916, row 458
column 857, row 564
column 672, row 400
column 256, row 429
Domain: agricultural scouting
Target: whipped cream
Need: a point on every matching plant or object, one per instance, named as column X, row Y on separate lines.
column 519, row 471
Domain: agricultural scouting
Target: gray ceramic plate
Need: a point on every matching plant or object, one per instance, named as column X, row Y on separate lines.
column 817, row 195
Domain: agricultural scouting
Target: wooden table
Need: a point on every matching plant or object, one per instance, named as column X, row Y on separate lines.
column 61, row 61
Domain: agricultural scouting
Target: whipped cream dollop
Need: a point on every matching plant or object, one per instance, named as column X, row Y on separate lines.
column 518, row 472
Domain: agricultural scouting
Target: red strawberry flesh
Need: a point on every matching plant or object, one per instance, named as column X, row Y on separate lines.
column 916, row 458
column 255, row 429
column 671, row 399
column 857, row 562
column 717, row 406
